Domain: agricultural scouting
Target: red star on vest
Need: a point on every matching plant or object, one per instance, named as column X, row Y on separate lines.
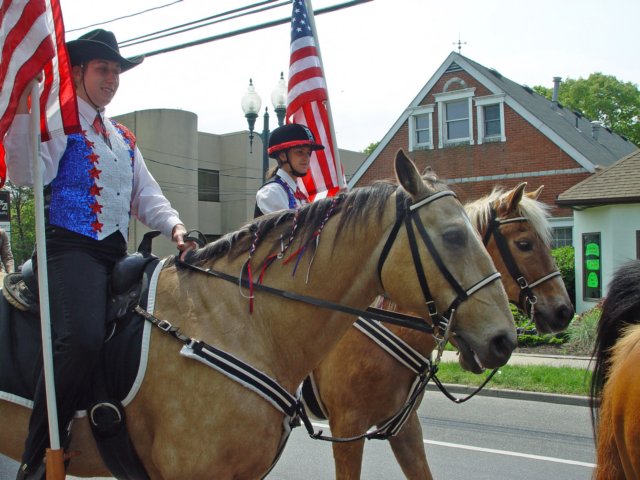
column 96, row 226
column 93, row 158
column 94, row 173
column 88, row 143
column 96, row 208
column 95, row 190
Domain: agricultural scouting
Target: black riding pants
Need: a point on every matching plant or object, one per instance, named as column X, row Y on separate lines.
column 79, row 269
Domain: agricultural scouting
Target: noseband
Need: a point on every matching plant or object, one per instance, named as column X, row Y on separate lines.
column 406, row 213
column 527, row 297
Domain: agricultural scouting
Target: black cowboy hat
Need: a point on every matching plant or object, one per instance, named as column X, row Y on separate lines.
column 99, row 44
column 289, row 136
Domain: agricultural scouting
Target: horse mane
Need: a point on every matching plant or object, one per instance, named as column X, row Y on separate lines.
column 355, row 208
column 536, row 212
column 620, row 309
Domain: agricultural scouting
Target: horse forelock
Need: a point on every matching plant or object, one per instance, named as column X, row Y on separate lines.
column 536, row 212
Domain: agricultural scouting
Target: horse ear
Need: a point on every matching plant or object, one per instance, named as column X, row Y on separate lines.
column 514, row 196
column 408, row 175
column 536, row 193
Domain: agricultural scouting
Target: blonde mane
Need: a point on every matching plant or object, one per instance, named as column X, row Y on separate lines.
column 537, row 213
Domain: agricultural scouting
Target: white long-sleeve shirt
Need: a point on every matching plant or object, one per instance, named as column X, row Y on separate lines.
column 146, row 202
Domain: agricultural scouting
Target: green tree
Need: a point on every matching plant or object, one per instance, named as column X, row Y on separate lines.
column 371, row 148
column 614, row 103
column 22, row 222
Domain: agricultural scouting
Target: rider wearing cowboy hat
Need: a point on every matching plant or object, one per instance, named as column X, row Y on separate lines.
column 291, row 146
column 95, row 180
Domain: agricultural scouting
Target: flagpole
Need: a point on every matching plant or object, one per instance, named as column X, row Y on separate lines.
column 336, row 152
column 41, row 253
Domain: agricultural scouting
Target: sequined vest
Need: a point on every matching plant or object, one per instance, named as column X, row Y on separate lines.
column 91, row 193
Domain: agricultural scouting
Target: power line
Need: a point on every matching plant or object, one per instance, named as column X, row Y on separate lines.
column 251, row 29
column 123, row 17
column 217, row 18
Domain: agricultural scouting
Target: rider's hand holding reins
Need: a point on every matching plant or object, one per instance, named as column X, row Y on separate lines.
column 177, row 235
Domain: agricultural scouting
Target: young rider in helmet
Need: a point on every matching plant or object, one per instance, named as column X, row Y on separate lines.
column 291, row 146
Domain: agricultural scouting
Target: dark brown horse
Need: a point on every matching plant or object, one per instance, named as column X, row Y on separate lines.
column 615, row 384
column 188, row 421
column 360, row 385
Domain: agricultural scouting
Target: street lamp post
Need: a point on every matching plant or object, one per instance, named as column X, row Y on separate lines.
column 251, row 103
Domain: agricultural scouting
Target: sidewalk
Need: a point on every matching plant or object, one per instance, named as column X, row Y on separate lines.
column 534, row 359
column 525, row 359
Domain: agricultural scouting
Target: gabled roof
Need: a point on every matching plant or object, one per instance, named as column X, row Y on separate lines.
column 618, row 183
column 570, row 131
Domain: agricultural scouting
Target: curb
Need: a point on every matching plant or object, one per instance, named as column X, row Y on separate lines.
column 577, row 400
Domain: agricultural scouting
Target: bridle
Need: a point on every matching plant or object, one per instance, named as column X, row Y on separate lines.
column 406, row 213
column 527, row 298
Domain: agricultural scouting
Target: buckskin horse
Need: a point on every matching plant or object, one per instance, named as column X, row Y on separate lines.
column 365, row 382
column 615, row 384
column 191, row 421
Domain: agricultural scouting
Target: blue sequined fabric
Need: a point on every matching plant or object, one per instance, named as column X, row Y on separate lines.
column 72, row 204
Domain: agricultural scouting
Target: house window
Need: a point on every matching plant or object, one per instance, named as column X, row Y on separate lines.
column 591, row 267
column 490, row 111
column 492, row 126
column 421, row 128
column 208, row 185
column 455, row 119
column 562, row 237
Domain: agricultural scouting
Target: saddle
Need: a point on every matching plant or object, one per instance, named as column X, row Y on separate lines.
column 21, row 288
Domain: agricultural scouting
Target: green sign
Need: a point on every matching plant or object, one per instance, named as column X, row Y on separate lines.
column 591, row 266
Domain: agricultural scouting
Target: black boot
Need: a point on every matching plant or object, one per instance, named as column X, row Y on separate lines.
column 37, row 472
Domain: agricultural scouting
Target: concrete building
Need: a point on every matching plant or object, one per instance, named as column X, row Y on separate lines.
column 210, row 179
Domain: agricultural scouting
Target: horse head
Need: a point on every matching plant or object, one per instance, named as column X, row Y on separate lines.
column 452, row 261
column 516, row 231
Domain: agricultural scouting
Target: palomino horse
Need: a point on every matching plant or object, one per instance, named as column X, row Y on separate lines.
column 190, row 421
column 361, row 385
column 615, row 384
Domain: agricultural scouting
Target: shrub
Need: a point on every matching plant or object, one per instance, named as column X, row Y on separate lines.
column 583, row 329
column 565, row 260
column 527, row 340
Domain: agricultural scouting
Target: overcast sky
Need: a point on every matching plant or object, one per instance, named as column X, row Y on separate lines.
column 377, row 55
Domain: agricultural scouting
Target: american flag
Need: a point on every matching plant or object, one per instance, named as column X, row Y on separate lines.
column 32, row 41
column 307, row 105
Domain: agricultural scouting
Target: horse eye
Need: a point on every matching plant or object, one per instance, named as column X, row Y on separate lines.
column 524, row 245
column 454, row 238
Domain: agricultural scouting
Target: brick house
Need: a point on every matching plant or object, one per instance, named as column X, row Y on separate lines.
column 478, row 129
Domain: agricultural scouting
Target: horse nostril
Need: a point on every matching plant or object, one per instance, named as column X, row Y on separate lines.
column 502, row 346
column 564, row 313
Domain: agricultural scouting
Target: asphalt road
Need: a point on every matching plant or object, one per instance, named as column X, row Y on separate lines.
column 486, row 438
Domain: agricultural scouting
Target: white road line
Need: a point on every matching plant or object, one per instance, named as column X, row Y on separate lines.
column 512, row 454
column 493, row 450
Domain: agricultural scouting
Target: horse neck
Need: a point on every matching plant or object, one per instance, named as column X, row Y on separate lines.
column 283, row 337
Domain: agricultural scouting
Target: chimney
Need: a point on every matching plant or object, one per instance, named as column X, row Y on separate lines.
column 595, row 129
column 556, row 89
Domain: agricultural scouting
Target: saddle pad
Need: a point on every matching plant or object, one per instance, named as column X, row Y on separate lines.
column 124, row 356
